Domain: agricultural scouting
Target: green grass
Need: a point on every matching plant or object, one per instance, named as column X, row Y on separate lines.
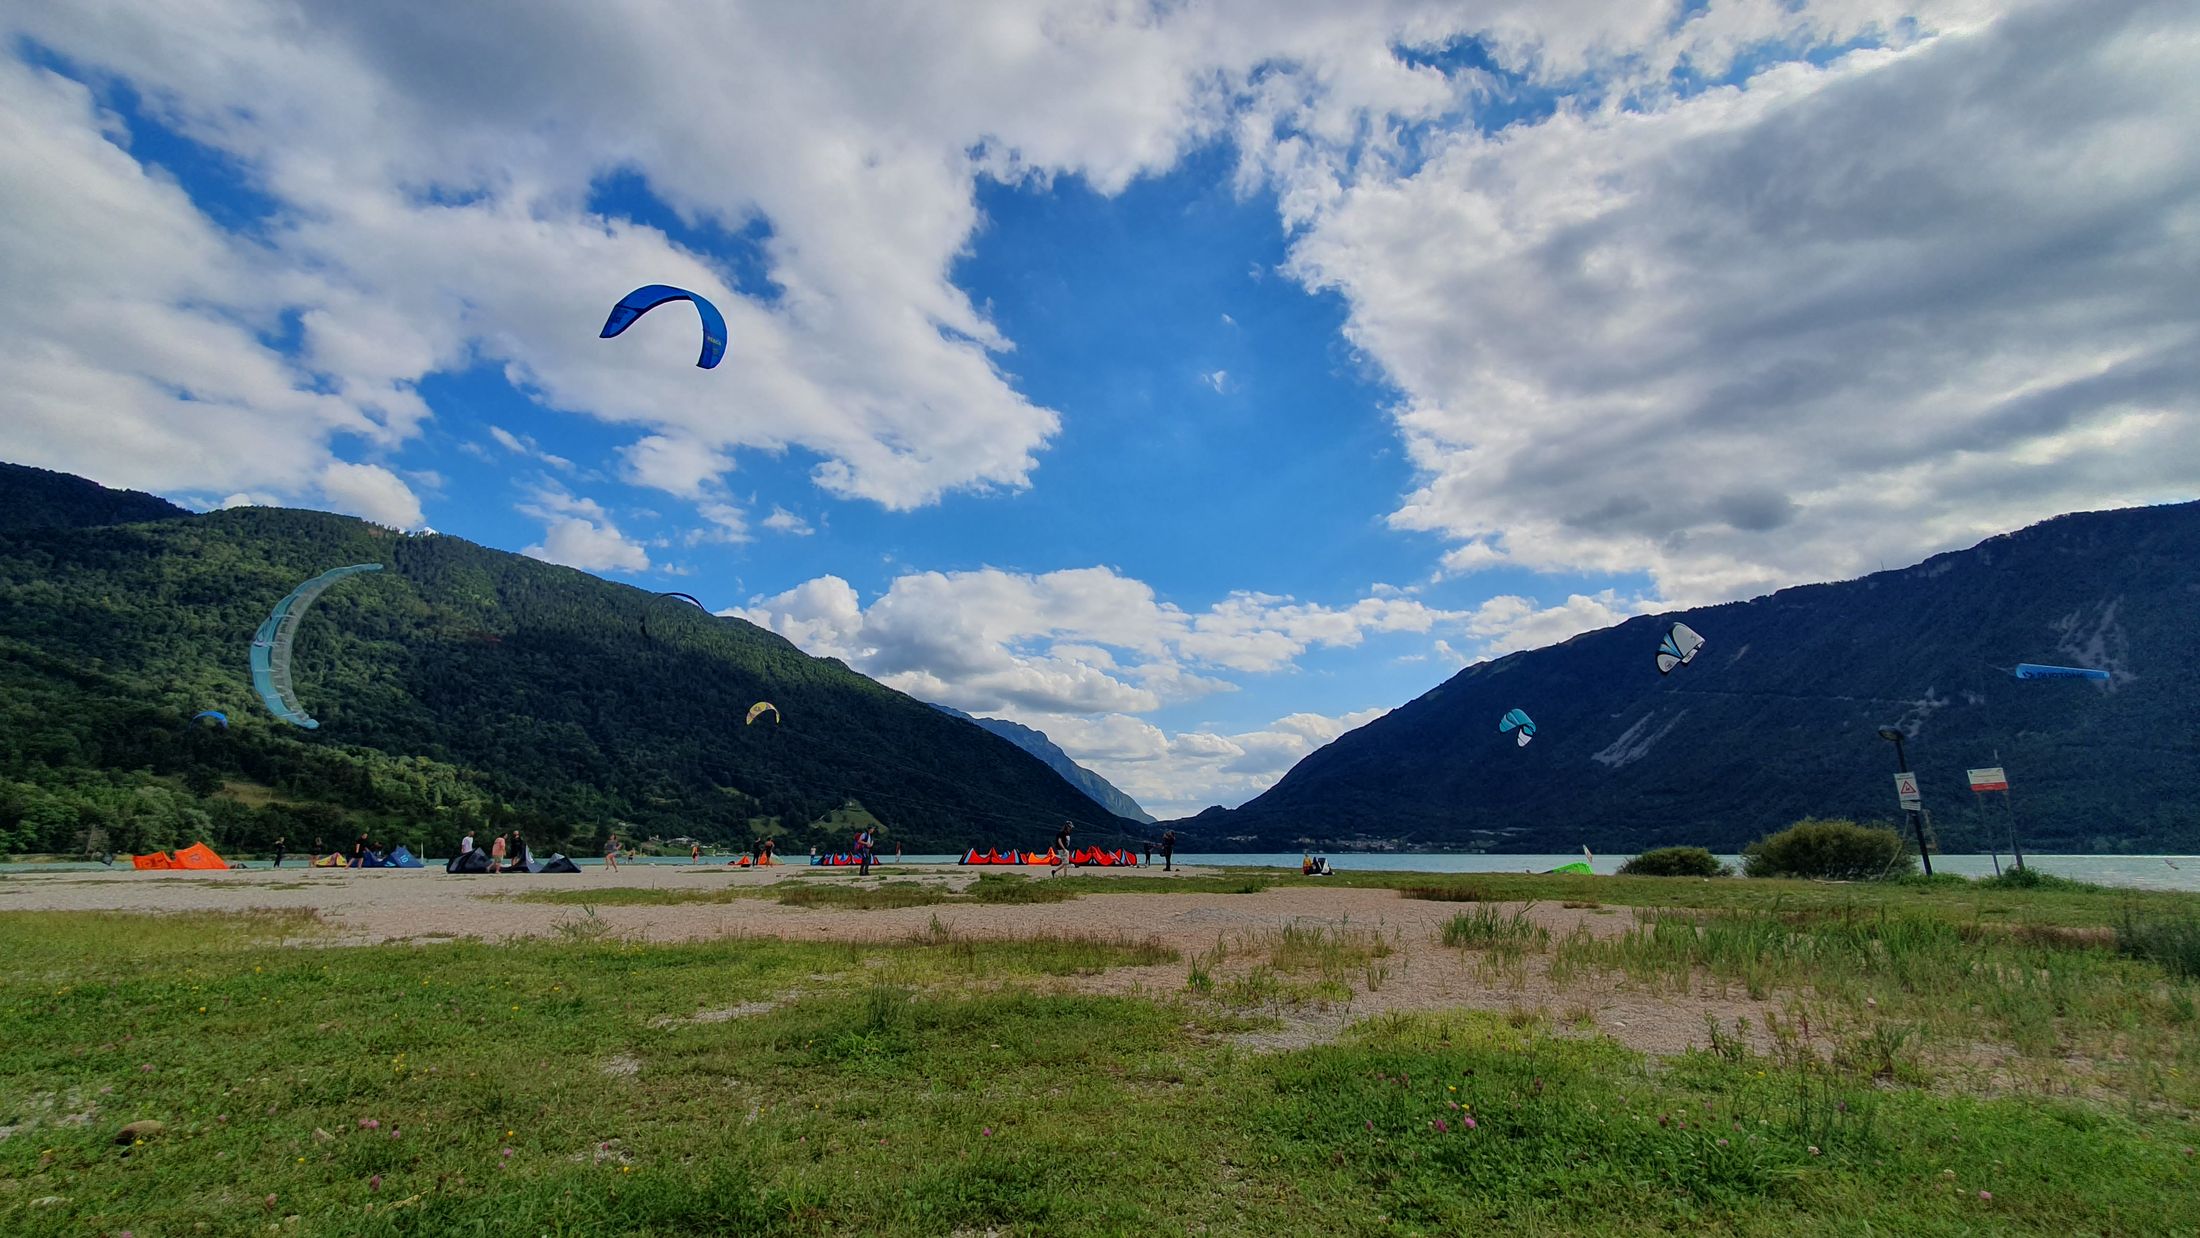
column 946, row 1084
column 2052, row 902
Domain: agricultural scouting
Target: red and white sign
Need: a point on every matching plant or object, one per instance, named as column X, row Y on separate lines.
column 1905, row 792
column 1992, row 778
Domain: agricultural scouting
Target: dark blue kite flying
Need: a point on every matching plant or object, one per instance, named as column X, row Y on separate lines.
column 649, row 296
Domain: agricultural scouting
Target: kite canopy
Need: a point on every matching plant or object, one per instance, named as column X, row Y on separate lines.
column 648, row 297
column 689, row 598
column 214, row 714
column 1575, row 869
column 271, row 645
column 759, row 708
column 1520, row 724
column 2032, row 670
column 1678, row 648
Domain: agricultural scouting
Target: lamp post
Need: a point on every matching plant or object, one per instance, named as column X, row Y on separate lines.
column 1917, row 823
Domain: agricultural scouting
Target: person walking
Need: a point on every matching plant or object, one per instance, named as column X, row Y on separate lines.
column 1168, row 851
column 278, row 853
column 695, row 853
column 359, row 852
column 863, row 852
column 611, row 852
column 496, row 854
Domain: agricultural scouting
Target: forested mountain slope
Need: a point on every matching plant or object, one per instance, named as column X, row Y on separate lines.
column 1778, row 717
column 460, row 688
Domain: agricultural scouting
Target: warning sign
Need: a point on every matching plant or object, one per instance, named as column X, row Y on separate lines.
column 1992, row 778
column 1905, row 790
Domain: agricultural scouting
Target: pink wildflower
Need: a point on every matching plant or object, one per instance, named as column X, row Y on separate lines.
column 1987, row 1196
column 375, row 1183
column 1371, row 1125
column 1468, row 1123
column 507, row 1154
column 1722, row 1143
column 987, row 1132
column 1443, row 1127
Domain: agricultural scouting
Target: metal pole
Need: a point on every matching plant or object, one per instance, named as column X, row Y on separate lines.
column 2009, row 802
column 1917, row 821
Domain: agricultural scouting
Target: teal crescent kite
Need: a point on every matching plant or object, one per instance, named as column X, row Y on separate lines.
column 271, row 645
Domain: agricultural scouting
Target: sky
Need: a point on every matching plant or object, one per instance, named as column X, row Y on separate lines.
column 1191, row 380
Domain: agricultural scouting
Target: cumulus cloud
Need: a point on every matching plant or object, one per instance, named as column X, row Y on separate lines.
column 1178, row 775
column 371, row 491
column 579, row 532
column 1078, row 641
column 591, row 546
column 1790, row 328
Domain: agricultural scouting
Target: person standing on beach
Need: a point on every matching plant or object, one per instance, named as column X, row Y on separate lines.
column 278, row 853
column 1149, row 853
column 863, row 852
column 466, row 844
column 496, row 854
column 695, row 853
column 1168, row 851
column 359, row 852
column 611, row 852
column 518, row 851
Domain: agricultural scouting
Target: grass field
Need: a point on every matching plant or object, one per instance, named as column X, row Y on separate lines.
column 941, row 1085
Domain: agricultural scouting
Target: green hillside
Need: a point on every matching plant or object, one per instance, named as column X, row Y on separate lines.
column 462, row 688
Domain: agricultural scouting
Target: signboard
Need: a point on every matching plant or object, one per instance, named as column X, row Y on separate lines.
column 1905, row 789
column 1992, row 778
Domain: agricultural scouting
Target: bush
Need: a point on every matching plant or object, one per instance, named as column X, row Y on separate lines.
column 1830, row 851
column 1675, row 862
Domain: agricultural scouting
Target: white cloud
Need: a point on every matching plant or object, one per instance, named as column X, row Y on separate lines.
column 1078, row 641
column 1178, row 775
column 783, row 521
column 1790, row 329
column 524, row 445
column 1218, row 381
column 579, row 532
column 373, row 492
column 588, row 545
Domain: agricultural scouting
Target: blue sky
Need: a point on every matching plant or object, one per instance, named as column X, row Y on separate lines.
column 1192, row 384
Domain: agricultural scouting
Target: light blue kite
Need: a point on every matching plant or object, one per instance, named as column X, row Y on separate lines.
column 271, row 645
column 2033, row 670
column 1522, row 727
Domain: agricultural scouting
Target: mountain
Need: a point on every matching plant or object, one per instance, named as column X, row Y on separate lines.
column 1102, row 792
column 1778, row 717
column 460, row 688
column 41, row 499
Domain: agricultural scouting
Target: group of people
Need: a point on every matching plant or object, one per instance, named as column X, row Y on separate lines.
column 507, row 851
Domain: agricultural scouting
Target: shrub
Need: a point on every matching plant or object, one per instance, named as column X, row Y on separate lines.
column 1830, row 851
column 1675, row 862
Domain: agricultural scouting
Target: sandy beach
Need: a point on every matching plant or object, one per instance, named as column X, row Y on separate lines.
column 395, row 906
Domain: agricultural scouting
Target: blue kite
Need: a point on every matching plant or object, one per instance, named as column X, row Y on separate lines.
column 649, row 296
column 1522, row 727
column 217, row 715
column 271, row 645
column 2033, row 670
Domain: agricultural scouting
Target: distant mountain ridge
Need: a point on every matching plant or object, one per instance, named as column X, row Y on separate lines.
column 461, row 689
column 1777, row 719
column 1101, row 791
